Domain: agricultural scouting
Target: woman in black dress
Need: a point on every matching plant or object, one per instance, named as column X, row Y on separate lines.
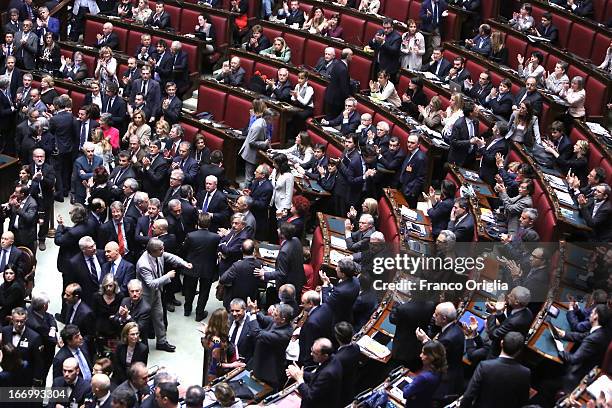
column 130, row 351
column 12, row 293
column 101, row 187
column 105, row 305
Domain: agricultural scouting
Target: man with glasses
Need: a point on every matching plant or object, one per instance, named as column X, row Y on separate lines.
column 348, row 121
column 26, row 46
column 531, row 94
column 386, row 45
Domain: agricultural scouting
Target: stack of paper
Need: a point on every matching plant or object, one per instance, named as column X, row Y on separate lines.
column 268, row 253
column 330, row 129
column 564, row 198
column 487, row 215
column 602, row 384
column 556, row 182
column 335, row 256
column 338, row 242
column 408, row 213
column 597, row 128
column 416, row 228
column 471, row 175
column 373, row 347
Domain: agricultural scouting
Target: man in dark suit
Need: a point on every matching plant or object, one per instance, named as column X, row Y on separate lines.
column 392, row 159
column 161, row 63
column 413, row 171
column 27, row 343
column 84, row 167
column 134, row 308
column 43, row 323
column 280, row 89
column 348, row 121
column 240, row 329
column 261, row 191
column 43, row 181
column 489, row 150
column 325, row 63
column 101, row 386
column 174, row 190
column 73, row 347
column 83, row 126
column 71, row 377
column 200, row 249
column 582, row 8
column 214, row 202
column 531, row 94
column 461, row 221
column 458, row 73
column 160, row 19
column 318, row 324
column 120, row 230
column 453, row 339
column 214, row 168
column 186, row 163
column 339, row 87
column 348, row 355
column 154, row 171
column 122, row 270
column 26, row 46
column 481, row 44
column 341, row 297
column 79, row 313
column 319, row 388
column 230, row 245
column 86, row 269
column 407, row 317
column 270, row 336
column 114, row 105
column 62, row 126
column 597, row 213
column 231, row 73
column 13, row 24
column 123, row 171
column 130, row 75
column 23, row 217
column 148, row 87
column 464, row 130
column 386, row 45
column 238, row 279
column 359, row 240
column 439, row 66
column 14, row 75
column 502, row 382
column 144, row 225
column 289, row 266
column 546, row 29
column 11, row 255
column 7, row 116
column 349, row 183
column 172, row 105
column 180, row 68
column 482, row 89
column 107, row 38
column 500, row 100
column 560, row 141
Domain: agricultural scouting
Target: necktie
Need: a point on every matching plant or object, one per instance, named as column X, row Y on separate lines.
column 235, row 333
column 92, row 269
column 159, row 268
column 83, row 365
column 144, row 88
column 435, row 12
column 113, row 268
column 206, row 200
column 150, row 232
column 3, row 260
column 83, row 137
column 109, row 104
column 120, row 238
column 9, row 50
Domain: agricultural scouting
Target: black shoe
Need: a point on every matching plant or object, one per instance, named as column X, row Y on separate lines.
column 59, row 198
column 175, row 302
column 200, row 317
column 187, row 312
column 59, row 318
column 41, row 245
column 165, row 347
column 170, row 307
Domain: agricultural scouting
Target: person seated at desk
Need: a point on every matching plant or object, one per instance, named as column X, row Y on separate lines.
column 369, row 206
column 499, row 51
column 534, row 69
column 556, row 81
column 291, row 13
column 577, row 162
column 481, row 90
column 575, row 95
column 440, row 208
column 326, row 62
column 280, row 89
column 582, row 8
column 597, row 213
column 439, row 66
column 333, row 29
column 205, row 31
column 594, row 178
column 530, row 94
column 384, row 90
column 257, row 41
column 316, row 22
column 513, row 243
column 301, row 153
column 319, row 159
column 348, row 121
column 500, row 99
column 546, row 29
column 161, row 18
column 414, row 98
column 231, row 73
column 579, row 317
column 391, row 159
column 458, row 73
column 359, row 240
column 522, row 21
column 461, row 221
column 481, row 44
column 279, row 51
column 431, row 115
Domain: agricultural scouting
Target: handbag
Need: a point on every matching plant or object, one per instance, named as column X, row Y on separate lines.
column 220, row 292
column 241, row 390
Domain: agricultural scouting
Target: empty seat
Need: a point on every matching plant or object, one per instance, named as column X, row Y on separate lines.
column 353, row 29
column 600, row 46
column 595, row 156
column 596, row 96
column 265, row 69
column 78, row 99
column 450, row 30
column 133, row 40
column 564, row 25
column 297, row 45
column 272, row 33
column 401, row 87
column 190, row 131
column 122, row 34
column 599, row 8
column 402, row 135
column 236, row 112
column 413, row 10
column 399, row 10
column 319, row 96
column 361, row 108
column 545, row 226
column 90, row 61
column 212, row 101
column 221, row 24
column 360, row 69
column 515, row 47
column 92, row 28
column 249, row 68
column 333, row 151
column 581, row 40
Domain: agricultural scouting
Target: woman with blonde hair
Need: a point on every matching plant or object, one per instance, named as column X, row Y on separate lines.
column 279, row 50
column 129, row 351
column 453, row 112
column 431, row 115
column 103, row 147
column 220, row 355
column 138, row 127
column 105, row 304
column 369, row 206
column 47, row 91
column 577, row 163
column 499, row 52
column 106, row 69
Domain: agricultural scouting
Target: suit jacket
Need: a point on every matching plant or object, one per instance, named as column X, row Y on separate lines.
column 44, row 186
column 152, row 278
column 25, row 233
column 29, row 348
column 339, row 87
column 64, row 353
column 364, row 306
column 17, row 259
column 429, row 19
column 388, row 53
column 502, row 382
column 349, row 183
column 117, row 177
column 81, row 163
column 584, row 8
column 407, row 317
column 15, row 83
column 163, row 67
column 442, row 72
column 323, row 67
column 232, row 78
column 80, row 273
column 413, row 173
column 348, row 356
column 256, row 140
column 190, row 169
column 601, row 222
column 67, row 239
column 118, row 111
column 80, row 390
column 240, row 281
column 107, row 232
column 519, row 321
column 350, row 126
column 340, row 299
column 217, row 207
column 261, row 193
column 26, row 53
column 551, row 32
column 153, row 96
column 488, row 168
column 271, row 341
column 42, row 325
column 230, row 248
column 320, row 389
column 482, row 45
column 160, row 21
column 111, row 41
column 589, row 353
column 535, row 98
column 154, row 178
column 514, row 206
column 124, row 273
column 453, row 341
column 463, row 229
column 289, row 266
column 209, row 169
column 62, row 126
column 139, row 312
column 460, row 142
column 84, row 318
column 172, row 114
column 440, row 215
column 281, row 91
column 120, row 365
column 359, row 241
column 318, row 324
column 200, row 249
column 480, row 93
column 501, row 105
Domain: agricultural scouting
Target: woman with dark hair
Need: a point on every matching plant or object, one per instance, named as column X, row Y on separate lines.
column 297, row 214
column 412, row 48
column 414, row 98
column 333, row 29
column 301, row 152
column 534, row 68
column 111, row 133
column 25, row 176
column 15, row 371
column 124, row 9
column 205, row 31
column 419, row 393
column 200, row 152
column 439, row 208
column 106, row 304
column 131, row 350
column 103, row 366
column 49, row 58
column 12, row 293
column 101, row 187
column 523, row 125
column 384, row 90
column 282, row 182
column 219, row 353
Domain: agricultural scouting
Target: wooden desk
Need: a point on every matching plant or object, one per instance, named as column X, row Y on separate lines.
column 580, row 393
column 9, row 170
column 396, row 201
column 332, row 226
column 379, row 328
column 540, row 339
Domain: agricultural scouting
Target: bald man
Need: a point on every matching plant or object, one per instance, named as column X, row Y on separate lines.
column 122, row 270
column 100, row 387
column 78, row 387
column 10, row 254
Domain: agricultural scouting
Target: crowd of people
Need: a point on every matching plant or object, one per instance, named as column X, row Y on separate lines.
column 154, row 216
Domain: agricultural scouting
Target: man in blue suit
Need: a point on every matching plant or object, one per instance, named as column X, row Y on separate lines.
column 413, row 172
column 431, row 14
column 260, row 191
column 439, row 66
column 86, row 269
column 482, row 42
column 83, row 170
column 186, row 163
column 461, row 221
column 464, row 131
column 341, row 297
column 386, row 45
column 122, row 270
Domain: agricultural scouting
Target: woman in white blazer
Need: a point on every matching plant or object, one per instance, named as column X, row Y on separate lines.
column 282, row 181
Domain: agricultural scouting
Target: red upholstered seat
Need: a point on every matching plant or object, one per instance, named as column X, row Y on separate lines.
column 213, row 101
column 293, row 78
column 606, row 365
column 402, row 136
column 430, row 93
column 122, row 34
column 221, row 29
column 272, row 33
column 370, row 29
column 537, row 12
column 600, row 46
column 192, row 57
column 580, row 40
column 544, row 118
column 190, row 131
column 595, row 157
column 353, row 29
column 399, row 10
column 401, row 87
column 607, row 166
column 249, row 68
column 333, row 151
column 513, row 157
column 360, row 69
column 495, row 78
column 319, row 95
column 361, row 108
column 78, row 98
column 264, row 69
column 60, row 90
column 545, row 226
column 576, row 135
column 413, row 11
column 133, row 40
column 387, row 222
column 66, row 53
column 213, row 142
column 515, row 47
column 595, row 91
column 90, row 61
column 449, row 55
column 489, row 9
column 450, row 29
column 316, row 250
column 297, row 45
column 189, row 19
column 599, row 8
column 237, row 111
column 317, row 139
column 564, row 26
column 451, row 177
column 91, row 29
column 314, row 51
column 306, row 8
column 253, row 9
column 311, row 278
column 475, row 69
column 551, row 62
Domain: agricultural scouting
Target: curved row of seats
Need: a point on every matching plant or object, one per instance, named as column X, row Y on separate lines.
column 602, row 11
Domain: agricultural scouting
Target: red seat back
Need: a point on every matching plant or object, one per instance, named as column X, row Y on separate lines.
column 581, row 40
column 221, row 29
column 319, row 95
column 515, row 47
column 545, row 226
column 213, row 142
column 352, row 28
column 600, row 46
column 316, row 250
column 564, row 26
column 213, row 101
column 78, row 98
column 399, row 10
column 265, row 69
column 450, row 28
column 235, row 111
column 297, row 45
column 122, row 34
column 360, row 68
column 596, row 96
column 92, row 28
column 371, row 28
column 190, row 131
